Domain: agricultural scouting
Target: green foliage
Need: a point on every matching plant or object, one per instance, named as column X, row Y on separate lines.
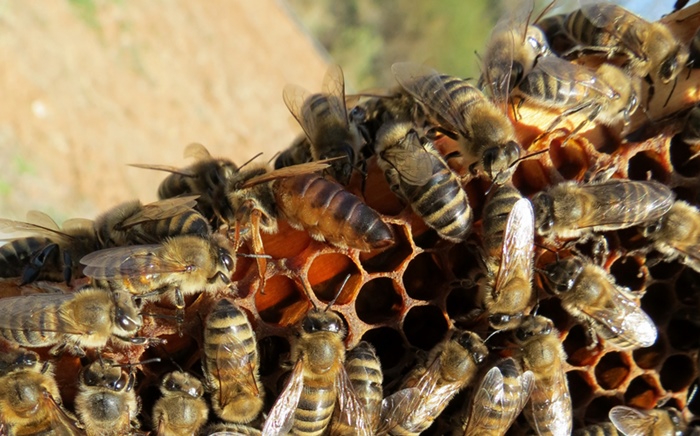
column 87, row 10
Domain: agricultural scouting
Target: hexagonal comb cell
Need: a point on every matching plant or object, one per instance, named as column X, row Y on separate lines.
column 628, row 273
column 424, row 326
column 643, row 392
column 577, row 347
column 677, row 373
column 282, row 303
column 570, row 159
column 597, row 410
column 647, row 164
column 423, row 278
column 379, row 301
column 392, row 258
column 271, row 349
column 684, row 329
column 658, row 302
column 651, row 357
column 462, row 304
column 388, row 343
column 327, row 276
column 612, row 370
column 580, row 388
column 687, row 287
column 684, row 157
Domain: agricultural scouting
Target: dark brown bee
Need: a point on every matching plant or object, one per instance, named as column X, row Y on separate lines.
column 106, row 402
column 297, row 153
column 418, row 174
column 485, row 134
column 324, row 118
column 87, row 318
column 181, row 411
column 208, row 178
column 677, row 234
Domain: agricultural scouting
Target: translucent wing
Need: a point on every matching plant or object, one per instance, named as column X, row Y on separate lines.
column 281, row 417
column 413, row 162
column 78, row 224
column 397, row 407
column 197, row 152
column 160, row 210
column 427, row 86
column 624, row 318
column 61, row 422
column 334, row 88
column 135, row 261
column 294, row 170
column 232, row 358
column 631, row 422
column 167, row 168
column 518, row 245
column 296, row 97
column 567, row 73
column 41, row 219
column 495, row 396
column 351, row 413
column 614, row 20
column 29, row 313
column 10, row 226
column 558, row 419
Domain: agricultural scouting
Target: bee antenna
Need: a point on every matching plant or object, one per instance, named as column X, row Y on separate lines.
column 308, row 295
column 254, row 256
column 337, row 294
column 249, row 161
column 140, row 363
column 272, row 158
column 544, row 11
column 492, row 335
column 544, row 247
column 670, row 94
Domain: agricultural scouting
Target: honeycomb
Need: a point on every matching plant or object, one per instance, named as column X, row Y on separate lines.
column 405, row 298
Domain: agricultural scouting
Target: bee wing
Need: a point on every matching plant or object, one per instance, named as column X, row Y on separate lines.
column 565, row 73
column 11, row 226
column 234, row 358
column 291, row 171
column 281, row 417
column 197, row 152
column 160, row 210
column 558, row 419
column 167, row 168
column 414, row 163
column 624, row 318
column 351, row 413
column 137, row 260
column 427, row 87
column 29, row 314
column 60, row 421
column 41, row 219
column 334, row 88
column 631, row 422
column 606, row 16
column 294, row 97
column 518, row 245
column 397, row 407
column 499, row 397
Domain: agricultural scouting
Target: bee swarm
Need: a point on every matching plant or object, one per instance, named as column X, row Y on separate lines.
column 405, row 298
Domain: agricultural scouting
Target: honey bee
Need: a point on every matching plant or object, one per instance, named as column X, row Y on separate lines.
column 426, row 391
column 499, row 203
column 208, row 177
column 365, row 374
column 569, row 210
column 590, row 295
column 318, row 383
column 228, row 429
column 549, row 410
column 499, row 399
column 418, row 174
column 297, row 153
column 677, row 235
column 486, row 135
column 106, row 402
column 607, row 95
column 181, row 411
column 180, row 266
column 87, row 318
column 52, row 254
column 30, row 402
column 133, row 223
column 511, row 51
column 507, row 292
column 633, row 422
column 604, row 429
column 324, row 119
column 650, row 48
column 308, row 202
column 231, row 364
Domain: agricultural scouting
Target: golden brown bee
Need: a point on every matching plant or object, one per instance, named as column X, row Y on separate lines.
column 208, row 177
column 549, row 410
column 511, row 51
column 607, row 95
column 231, row 364
column 228, row 429
column 181, row 411
column 499, row 203
column 677, row 234
column 590, row 295
column 106, row 402
column 87, row 318
column 570, row 210
column 499, row 399
column 324, row 119
column 424, row 394
column 485, row 134
column 318, row 383
column 51, row 255
column 30, row 402
column 365, row 373
column 418, row 174
column 604, row 429
column 507, row 293
column 180, row 266
column 133, row 223
column 308, row 202
column 650, row 48
column 655, row 422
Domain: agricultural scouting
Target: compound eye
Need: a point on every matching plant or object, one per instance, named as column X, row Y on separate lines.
column 126, row 323
column 227, row 260
column 358, row 114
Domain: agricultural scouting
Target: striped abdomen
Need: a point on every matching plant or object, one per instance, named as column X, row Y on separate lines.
column 188, row 223
column 495, row 216
column 558, row 91
column 16, row 255
column 315, row 407
column 605, row 429
column 441, row 202
column 329, row 212
column 231, row 363
column 582, row 30
column 33, row 320
column 365, row 373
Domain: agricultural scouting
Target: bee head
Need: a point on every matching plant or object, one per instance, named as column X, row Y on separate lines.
column 127, row 320
column 474, row 345
column 323, row 321
column 497, row 160
column 672, row 64
column 544, row 213
column 103, row 373
column 533, row 325
column 504, row 321
column 562, row 275
column 181, row 382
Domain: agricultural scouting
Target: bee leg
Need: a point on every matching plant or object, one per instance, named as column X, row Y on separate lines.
column 179, row 310
column 591, row 338
column 258, row 247
column 600, row 249
column 67, row 267
column 36, row 263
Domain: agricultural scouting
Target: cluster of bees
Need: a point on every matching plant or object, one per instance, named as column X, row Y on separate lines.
column 430, row 136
